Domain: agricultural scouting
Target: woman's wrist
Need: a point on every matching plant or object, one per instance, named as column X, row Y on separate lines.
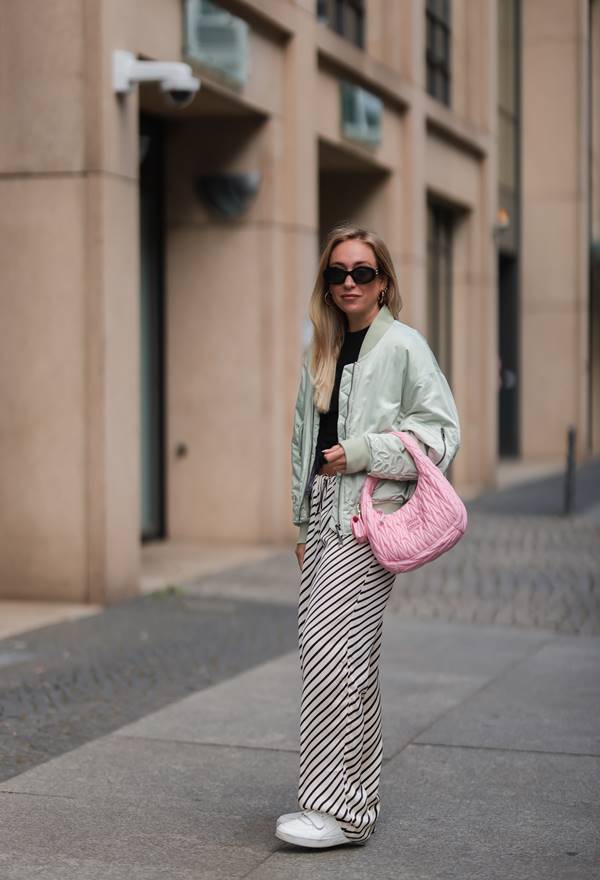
column 357, row 454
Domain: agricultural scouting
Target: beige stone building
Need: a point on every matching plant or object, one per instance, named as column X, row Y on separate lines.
column 157, row 260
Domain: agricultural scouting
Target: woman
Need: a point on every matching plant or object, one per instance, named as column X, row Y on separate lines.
column 366, row 373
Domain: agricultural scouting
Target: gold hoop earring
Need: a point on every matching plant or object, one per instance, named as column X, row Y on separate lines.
column 382, row 296
column 327, row 294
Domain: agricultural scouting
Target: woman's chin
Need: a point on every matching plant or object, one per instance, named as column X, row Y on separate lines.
column 357, row 312
column 353, row 308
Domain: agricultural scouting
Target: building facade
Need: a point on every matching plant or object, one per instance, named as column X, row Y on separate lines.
column 157, row 261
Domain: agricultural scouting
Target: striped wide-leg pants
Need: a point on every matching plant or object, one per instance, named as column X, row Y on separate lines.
column 343, row 594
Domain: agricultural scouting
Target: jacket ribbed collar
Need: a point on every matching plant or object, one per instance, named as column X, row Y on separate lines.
column 377, row 328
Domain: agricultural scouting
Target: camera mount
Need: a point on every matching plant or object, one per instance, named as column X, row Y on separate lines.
column 175, row 77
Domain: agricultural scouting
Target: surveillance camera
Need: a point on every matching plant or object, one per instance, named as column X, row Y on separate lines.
column 178, row 93
column 175, row 78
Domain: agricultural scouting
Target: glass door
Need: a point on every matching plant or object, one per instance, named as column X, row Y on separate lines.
column 508, row 350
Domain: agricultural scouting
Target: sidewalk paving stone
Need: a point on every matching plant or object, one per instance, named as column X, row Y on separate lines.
column 194, row 789
column 426, row 670
column 72, row 682
column 550, row 701
column 128, row 840
column 166, row 733
column 469, row 814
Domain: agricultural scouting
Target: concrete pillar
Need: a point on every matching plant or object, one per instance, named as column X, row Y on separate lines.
column 595, row 231
column 69, row 524
column 413, row 253
column 555, row 225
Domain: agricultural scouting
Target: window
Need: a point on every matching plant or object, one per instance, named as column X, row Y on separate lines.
column 509, row 122
column 216, row 39
column 361, row 114
column 345, row 17
column 439, row 284
column 508, row 241
column 438, row 19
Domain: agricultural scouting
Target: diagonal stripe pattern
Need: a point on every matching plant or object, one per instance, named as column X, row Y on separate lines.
column 343, row 594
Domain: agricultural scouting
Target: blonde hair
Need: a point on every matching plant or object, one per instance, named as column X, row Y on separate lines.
column 329, row 322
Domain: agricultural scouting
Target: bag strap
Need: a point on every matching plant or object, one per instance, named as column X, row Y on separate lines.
column 420, row 459
column 412, row 448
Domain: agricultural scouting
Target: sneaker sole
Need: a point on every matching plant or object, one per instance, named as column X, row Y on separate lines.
column 314, row 844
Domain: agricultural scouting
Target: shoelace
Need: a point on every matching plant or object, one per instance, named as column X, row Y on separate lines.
column 312, row 816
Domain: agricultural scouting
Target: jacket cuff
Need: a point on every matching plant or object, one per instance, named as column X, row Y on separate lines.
column 302, row 533
column 357, row 454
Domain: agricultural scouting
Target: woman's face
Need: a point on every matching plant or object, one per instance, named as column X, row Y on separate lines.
column 357, row 301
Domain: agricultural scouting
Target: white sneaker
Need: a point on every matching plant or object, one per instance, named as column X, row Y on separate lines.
column 312, row 828
column 285, row 817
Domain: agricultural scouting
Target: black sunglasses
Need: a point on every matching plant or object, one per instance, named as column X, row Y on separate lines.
column 360, row 275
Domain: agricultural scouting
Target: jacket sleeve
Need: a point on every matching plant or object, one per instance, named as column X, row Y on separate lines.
column 429, row 413
column 296, row 446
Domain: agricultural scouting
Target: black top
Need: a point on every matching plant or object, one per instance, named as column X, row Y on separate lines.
column 328, row 435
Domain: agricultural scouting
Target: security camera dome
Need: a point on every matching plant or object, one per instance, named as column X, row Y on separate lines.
column 180, row 92
column 179, row 97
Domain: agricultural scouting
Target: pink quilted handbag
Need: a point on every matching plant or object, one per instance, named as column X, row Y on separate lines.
column 429, row 523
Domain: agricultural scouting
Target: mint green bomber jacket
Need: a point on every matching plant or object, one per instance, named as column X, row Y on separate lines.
column 396, row 384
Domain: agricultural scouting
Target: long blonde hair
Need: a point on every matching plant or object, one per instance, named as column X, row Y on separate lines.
column 329, row 322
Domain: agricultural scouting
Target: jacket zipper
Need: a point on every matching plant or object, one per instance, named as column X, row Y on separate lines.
column 339, row 522
column 349, row 397
column 313, row 469
column 310, row 478
column 444, row 452
column 311, row 473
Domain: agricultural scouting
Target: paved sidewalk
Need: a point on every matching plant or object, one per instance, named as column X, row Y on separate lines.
column 520, row 563
column 64, row 685
column 525, row 571
column 159, row 738
column 491, row 770
column 545, row 495
column 18, row 616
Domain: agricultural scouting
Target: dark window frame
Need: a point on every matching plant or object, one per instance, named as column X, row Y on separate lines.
column 152, row 190
column 438, row 35
column 509, row 308
column 441, row 220
column 346, row 17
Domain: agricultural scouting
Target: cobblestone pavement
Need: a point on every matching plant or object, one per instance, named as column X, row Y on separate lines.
column 528, row 571
column 545, row 496
column 63, row 685
column 531, row 571
column 520, row 562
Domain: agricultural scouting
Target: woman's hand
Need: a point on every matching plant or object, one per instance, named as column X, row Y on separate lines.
column 335, row 460
column 300, row 548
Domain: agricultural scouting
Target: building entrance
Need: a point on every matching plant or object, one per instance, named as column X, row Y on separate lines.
column 151, row 157
column 508, row 348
